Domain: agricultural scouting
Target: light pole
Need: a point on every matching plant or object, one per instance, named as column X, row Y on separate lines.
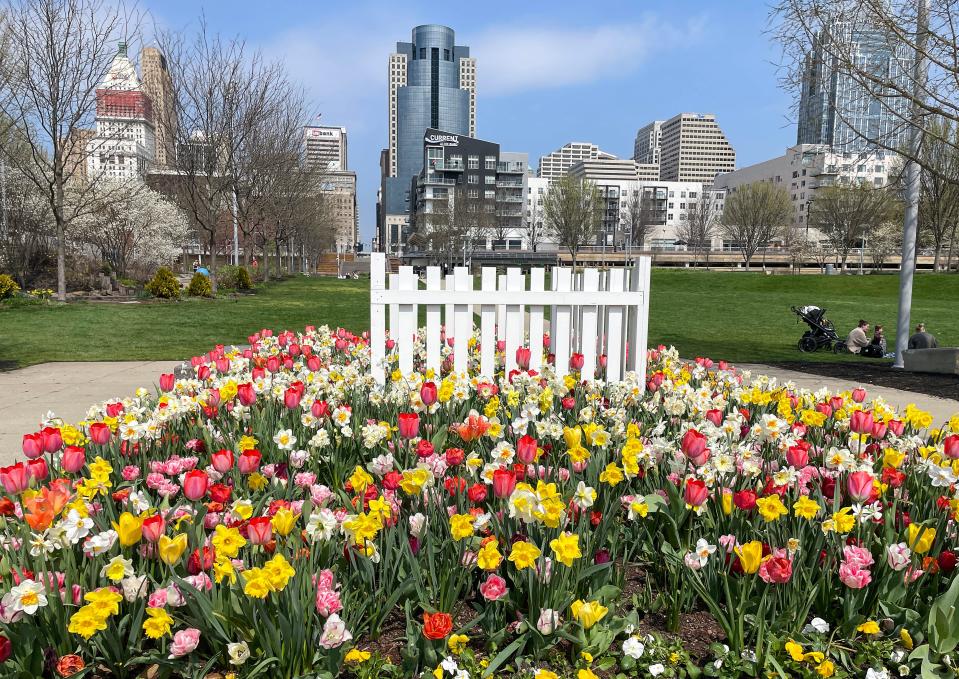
column 907, row 267
column 236, row 238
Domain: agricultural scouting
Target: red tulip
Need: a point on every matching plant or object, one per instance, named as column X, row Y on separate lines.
column 950, row 446
column 776, row 570
column 576, row 362
column 526, row 449
column 693, row 446
column 696, row 492
column 52, row 439
column 260, row 530
column 428, row 393
column 32, row 445
column 858, row 394
column 454, row 456
column 896, row 427
column 504, row 482
column 258, row 373
column 15, row 478
column 167, row 380
column 715, row 416
column 220, row 492
column 392, row 480
column 201, row 561
column 222, row 460
column 409, row 425
column 946, row 561
column 320, row 409
column 745, row 500
column 114, row 409
column 568, row 402
column 249, row 461
column 100, row 433
column 74, row 457
column 6, row 649
column 424, row 448
column 797, row 456
column 273, row 364
column 246, row 394
column 476, row 493
column 195, row 484
column 313, row 363
column 859, row 485
column 860, row 422
column 522, row 358
column 153, row 527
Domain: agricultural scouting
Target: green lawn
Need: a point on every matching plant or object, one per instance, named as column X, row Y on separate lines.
column 732, row 315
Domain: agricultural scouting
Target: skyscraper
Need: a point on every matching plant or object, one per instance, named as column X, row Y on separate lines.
column 837, row 111
column 124, row 144
column 158, row 85
column 557, row 163
column 646, row 146
column 325, row 148
column 432, row 85
column 693, row 148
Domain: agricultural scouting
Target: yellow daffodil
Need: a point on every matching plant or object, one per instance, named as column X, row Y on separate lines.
column 158, row 623
column 524, row 554
column 771, row 508
column 461, row 526
column 805, row 508
column 566, row 548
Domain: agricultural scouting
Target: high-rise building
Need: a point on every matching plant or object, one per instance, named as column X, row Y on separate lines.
column 124, row 145
column 606, row 168
column 76, row 164
column 835, row 109
column 339, row 190
column 557, row 163
column 324, row 148
column 158, row 85
column 432, row 85
column 646, row 146
column 693, row 148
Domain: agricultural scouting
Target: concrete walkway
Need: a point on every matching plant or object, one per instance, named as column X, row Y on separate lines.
column 941, row 408
column 68, row 389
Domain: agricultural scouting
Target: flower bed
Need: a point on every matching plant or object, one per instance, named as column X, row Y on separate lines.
column 275, row 514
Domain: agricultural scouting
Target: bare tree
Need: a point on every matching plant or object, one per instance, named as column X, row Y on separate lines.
column 754, row 215
column 536, row 229
column 641, row 217
column 698, row 225
column 820, row 38
column 297, row 204
column 884, row 241
column 939, row 196
column 56, row 55
column 845, row 215
column 573, row 209
column 452, row 224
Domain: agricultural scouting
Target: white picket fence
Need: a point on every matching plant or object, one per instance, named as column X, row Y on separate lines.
column 594, row 313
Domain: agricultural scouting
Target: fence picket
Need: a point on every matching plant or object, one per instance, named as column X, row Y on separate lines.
column 407, row 321
column 488, row 326
column 377, row 318
column 614, row 327
column 561, row 324
column 462, row 321
column 514, row 315
column 434, row 282
column 501, row 309
column 536, row 283
column 448, row 308
column 588, row 333
column 394, row 284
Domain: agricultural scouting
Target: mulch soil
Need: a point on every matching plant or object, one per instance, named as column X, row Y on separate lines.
column 882, row 374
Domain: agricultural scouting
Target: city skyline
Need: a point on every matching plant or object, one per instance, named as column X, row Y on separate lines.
column 534, row 93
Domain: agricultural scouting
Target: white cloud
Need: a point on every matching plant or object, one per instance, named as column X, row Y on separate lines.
column 517, row 58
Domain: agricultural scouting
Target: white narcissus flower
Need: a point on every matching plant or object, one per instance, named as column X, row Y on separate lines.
column 584, row 497
column 704, row 550
column 28, row 596
column 284, row 439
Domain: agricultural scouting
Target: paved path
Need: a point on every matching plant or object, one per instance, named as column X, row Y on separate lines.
column 68, row 389
column 941, row 408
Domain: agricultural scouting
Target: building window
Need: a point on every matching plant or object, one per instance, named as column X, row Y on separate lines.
column 490, row 179
column 473, row 179
column 473, row 162
column 446, row 55
column 489, row 195
column 490, row 163
column 422, row 52
column 474, row 193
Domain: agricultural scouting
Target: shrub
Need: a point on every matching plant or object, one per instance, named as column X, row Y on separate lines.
column 8, row 286
column 200, row 286
column 243, row 280
column 164, row 285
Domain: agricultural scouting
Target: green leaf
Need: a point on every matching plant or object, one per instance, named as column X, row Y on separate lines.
column 504, row 655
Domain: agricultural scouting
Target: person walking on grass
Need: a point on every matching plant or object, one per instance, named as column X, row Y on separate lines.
column 857, row 339
column 923, row 339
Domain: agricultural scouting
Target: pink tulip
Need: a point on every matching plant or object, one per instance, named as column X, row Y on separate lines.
column 861, row 421
column 291, row 398
column 896, row 427
column 715, row 416
column 428, row 393
column 167, row 380
column 797, row 456
column 260, row 530
column 74, row 457
column 776, row 570
column 213, row 398
column 320, row 409
column 249, row 461
column 504, row 482
column 37, row 469
column 313, row 363
column 853, row 576
column 328, row 602
column 52, row 439
column 246, row 394
column 576, row 362
column 693, row 446
column 409, row 425
column 195, row 483
column 522, row 358
column 879, row 430
column 696, row 492
column 15, row 478
column 273, row 364
column 526, row 449
column 950, row 446
column 859, row 485
column 100, row 433
column 222, row 460
column 32, row 445
column 858, row 394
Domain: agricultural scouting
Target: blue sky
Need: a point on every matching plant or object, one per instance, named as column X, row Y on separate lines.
column 547, row 72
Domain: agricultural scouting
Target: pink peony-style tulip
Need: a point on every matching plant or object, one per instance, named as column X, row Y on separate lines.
column 861, row 421
column 950, row 446
column 696, row 492
column 854, row 576
column 167, row 381
column 526, row 449
column 222, row 460
column 408, row 424
column 328, row 601
column 494, row 588
column 195, row 484
column 73, row 459
column 898, row 556
column 859, row 485
column 776, row 570
column 32, row 445
column 428, row 393
column 185, row 641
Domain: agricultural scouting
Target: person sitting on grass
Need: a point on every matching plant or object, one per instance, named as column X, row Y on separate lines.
column 923, row 339
column 878, row 344
column 857, row 339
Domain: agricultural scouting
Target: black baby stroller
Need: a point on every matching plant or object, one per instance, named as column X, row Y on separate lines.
column 821, row 333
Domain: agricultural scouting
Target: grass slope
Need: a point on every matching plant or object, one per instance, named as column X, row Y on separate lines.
column 736, row 316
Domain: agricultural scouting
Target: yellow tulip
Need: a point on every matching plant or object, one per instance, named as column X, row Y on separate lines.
column 171, row 549
column 750, row 556
column 588, row 613
column 920, row 538
column 129, row 528
column 283, row 521
column 573, row 437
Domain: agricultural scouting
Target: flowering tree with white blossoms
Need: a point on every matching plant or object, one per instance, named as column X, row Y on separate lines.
column 137, row 226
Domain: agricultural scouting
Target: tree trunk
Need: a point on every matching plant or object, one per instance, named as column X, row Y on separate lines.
column 61, row 242
column 213, row 262
column 935, row 257
column 279, row 259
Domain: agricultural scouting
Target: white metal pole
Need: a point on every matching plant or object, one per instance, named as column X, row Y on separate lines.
column 3, row 198
column 907, row 267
